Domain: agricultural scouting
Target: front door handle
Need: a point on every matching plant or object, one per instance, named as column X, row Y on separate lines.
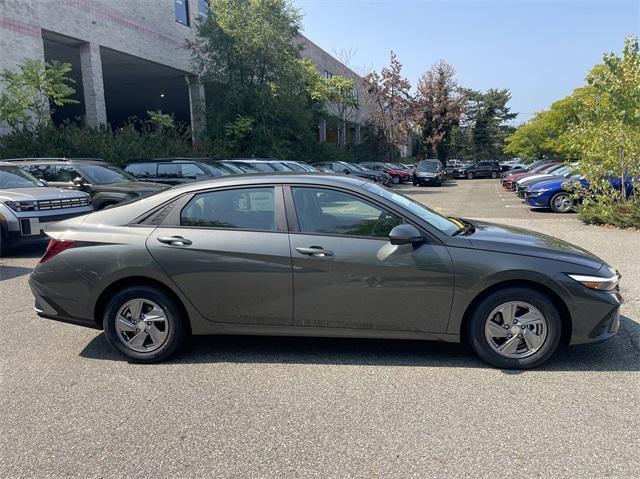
column 317, row 251
column 174, row 240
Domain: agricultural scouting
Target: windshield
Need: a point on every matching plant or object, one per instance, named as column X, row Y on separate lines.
column 280, row 166
column 215, row 170
column 14, row 177
column 440, row 222
column 353, row 166
column 427, row 166
column 104, row 174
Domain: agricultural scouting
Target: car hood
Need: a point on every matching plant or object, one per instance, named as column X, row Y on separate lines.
column 131, row 186
column 554, row 183
column 532, row 178
column 38, row 193
column 509, row 239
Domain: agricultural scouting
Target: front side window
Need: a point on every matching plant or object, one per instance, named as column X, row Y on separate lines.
column 325, row 211
column 182, row 11
column 243, row 208
column 191, row 171
column 141, row 170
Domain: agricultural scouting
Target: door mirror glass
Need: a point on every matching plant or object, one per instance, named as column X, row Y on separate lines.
column 78, row 181
column 405, row 234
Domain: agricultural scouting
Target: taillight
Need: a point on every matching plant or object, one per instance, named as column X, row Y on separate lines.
column 56, row 247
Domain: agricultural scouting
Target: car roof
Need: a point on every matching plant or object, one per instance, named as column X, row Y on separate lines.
column 57, row 160
column 177, row 159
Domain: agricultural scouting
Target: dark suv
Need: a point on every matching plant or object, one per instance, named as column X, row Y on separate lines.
column 107, row 184
column 176, row 171
column 429, row 172
column 480, row 169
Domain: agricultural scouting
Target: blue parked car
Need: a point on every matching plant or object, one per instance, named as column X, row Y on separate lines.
column 551, row 194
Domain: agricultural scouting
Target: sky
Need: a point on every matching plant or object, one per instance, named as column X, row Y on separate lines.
column 539, row 49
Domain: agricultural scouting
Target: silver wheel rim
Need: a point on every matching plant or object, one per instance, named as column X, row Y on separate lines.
column 562, row 202
column 516, row 330
column 142, row 325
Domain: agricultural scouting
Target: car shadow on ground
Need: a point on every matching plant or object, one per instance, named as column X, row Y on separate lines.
column 10, row 272
column 26, row 251
column 621, row 353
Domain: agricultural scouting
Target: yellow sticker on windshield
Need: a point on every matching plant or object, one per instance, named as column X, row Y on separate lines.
column 458, row 223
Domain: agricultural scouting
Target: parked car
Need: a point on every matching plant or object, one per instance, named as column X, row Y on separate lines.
column 429, row 172
column 480, row 169
column 263, row 165
column 174, row 171
column 27, row 205
column 299, row 166
column 554, row 193
column 558, row 194
column 322, row 255
column 241, row 167
column 523, row 184
column 106, row 184
column 510, row 165
column 397, row 174
column 345, row 168
column 509, row 182
column 529, row 167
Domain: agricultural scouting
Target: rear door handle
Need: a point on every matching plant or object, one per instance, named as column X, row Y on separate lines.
column 317, row 251
column 174, row 240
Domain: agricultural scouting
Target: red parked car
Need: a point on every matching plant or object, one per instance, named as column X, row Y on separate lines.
column 509, row 181
column 397, row 173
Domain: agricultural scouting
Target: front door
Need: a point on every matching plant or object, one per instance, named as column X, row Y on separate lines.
column 347, row 274
column 228, row 252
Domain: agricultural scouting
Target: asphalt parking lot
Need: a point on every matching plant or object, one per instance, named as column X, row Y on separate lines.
column 292, row 407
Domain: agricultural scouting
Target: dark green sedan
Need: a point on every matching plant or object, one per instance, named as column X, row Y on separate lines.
column 319, row 255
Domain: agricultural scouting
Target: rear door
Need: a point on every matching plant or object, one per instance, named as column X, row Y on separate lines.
column 228, row 252
column 347, row 274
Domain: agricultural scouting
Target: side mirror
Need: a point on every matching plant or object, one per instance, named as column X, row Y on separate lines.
column 346, row 172
column 44, row 183
column 78, row 181
column 405, row 234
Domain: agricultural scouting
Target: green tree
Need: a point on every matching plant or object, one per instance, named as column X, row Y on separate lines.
column 29, row 94
column 487, row 115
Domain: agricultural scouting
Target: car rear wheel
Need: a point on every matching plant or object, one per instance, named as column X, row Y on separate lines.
column 494, row 175
column 395, row 180
column 561, row 202
column 144, row 324
column 470, row 176
column 515, row 328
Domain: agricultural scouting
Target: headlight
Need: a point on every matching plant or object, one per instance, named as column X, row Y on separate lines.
column 597, row 282
column 20, row 206
column 539, row 192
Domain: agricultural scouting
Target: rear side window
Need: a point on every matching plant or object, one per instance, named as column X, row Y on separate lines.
column 55, row 173
column 243, row 208
column 169, row 170
column 190, row 170
column 327, row 211
column 142, row 170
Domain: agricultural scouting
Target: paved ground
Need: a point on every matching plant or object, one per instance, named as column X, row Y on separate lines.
column 264, row 407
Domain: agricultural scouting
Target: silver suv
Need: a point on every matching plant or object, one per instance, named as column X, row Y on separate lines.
column 27, row 205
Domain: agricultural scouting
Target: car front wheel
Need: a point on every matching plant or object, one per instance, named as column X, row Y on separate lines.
column 470, row 176
column 515, row 328
column 144, row 324
column 395, row 180
column 561, row 202
column 494, row 175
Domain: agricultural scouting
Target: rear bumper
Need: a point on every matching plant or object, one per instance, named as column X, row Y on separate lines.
column 47, row 307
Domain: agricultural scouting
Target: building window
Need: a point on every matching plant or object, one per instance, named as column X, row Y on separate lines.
column 203, row 9
column 182, row 11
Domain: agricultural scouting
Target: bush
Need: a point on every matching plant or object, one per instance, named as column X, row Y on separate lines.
column 622, row 214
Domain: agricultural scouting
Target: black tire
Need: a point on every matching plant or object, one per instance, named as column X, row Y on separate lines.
column 469, row 176
column 555, row 199
column 177, row 329
column 4, row 242
column 494, row 175
column 475, row 332
column 395, row 180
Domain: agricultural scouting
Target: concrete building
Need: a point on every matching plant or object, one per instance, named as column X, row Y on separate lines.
column 128, row 57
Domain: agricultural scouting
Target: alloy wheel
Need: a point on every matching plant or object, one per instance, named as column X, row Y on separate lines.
column 516, row 329
column 142, row 325
column 562, row 202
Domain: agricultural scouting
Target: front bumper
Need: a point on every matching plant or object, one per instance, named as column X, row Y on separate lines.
column 538, row 200
column 423, row 180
